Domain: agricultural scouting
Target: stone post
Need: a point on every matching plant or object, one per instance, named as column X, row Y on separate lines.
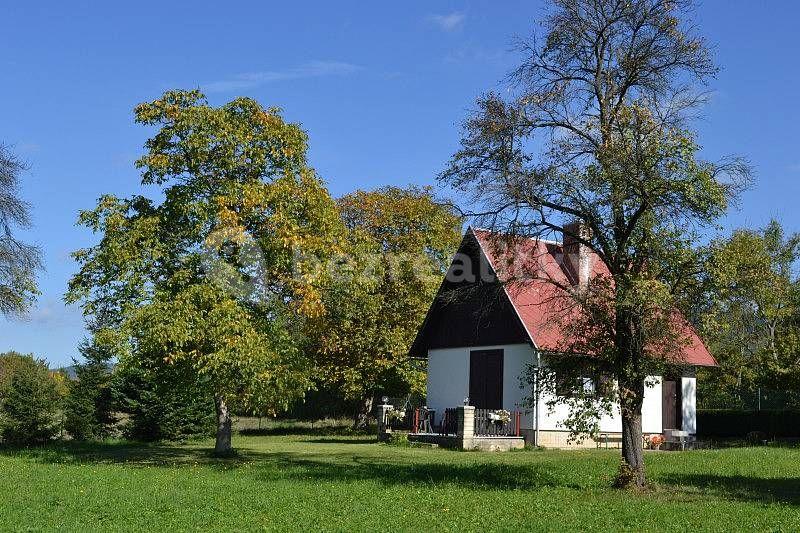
column 383, row 427
column 466, row 426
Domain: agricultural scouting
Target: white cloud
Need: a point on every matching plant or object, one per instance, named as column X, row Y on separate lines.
column 50, row 313
column 28, row 148
column 312, row 69
column 449, row 22
column 476, row 54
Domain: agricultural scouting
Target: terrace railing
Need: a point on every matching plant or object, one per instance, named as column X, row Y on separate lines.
column 497, row 423
column 424, row 421
column 483, row 422
column 449, row 425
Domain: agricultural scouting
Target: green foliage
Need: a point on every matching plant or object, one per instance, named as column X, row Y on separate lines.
column 88, row 407
column 751, row 312
column 399, row 242
column 208, row 277
column 252, row 356
column 399, row 439
column 10, row 363
column 164, row 403
column 29, row 400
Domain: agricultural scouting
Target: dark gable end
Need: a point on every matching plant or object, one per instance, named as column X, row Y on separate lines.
column 469, row 313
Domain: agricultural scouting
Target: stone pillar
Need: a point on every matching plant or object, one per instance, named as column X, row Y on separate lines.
column 466, row 426
column 383, row 427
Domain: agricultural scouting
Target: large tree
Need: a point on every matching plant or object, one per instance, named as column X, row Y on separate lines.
column 751, row 311
column 399, row 242
column 593, row 142
column 208, row 274
column 19, row 261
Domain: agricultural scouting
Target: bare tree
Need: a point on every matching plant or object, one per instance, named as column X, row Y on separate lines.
column 593, row 143
column 19, row 262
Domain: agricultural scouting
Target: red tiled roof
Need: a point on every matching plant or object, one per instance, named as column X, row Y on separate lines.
column 534, row 297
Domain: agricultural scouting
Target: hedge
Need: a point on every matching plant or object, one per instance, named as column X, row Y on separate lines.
column 739, row 422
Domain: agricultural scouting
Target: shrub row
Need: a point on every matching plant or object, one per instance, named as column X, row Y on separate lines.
column 739, row 422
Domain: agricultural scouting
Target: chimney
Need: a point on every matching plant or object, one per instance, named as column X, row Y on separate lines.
column 577, row 256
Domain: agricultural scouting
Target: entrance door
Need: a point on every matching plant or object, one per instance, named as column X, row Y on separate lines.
column 671, row 415
column 486, row 379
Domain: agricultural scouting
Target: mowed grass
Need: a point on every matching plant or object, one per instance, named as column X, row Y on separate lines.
column 283, row 481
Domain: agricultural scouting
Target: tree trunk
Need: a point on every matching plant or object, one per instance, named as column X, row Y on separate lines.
column 632, row 470
column 223, row 444
column 631, row 397
column 361, row 418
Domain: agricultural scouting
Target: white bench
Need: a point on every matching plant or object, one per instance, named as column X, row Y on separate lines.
column 677, row 435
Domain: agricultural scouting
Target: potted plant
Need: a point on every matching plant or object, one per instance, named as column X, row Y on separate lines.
column 654, row 442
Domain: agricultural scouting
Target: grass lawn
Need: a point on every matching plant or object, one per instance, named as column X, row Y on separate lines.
column 332, row 482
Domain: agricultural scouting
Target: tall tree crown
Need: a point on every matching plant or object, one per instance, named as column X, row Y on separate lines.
column 596, row 131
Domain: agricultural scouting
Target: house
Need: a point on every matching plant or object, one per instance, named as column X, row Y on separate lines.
column 479, row 343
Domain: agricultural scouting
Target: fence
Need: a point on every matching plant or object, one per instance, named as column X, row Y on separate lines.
column 738, row 422
column 424, row 421
column 496, row 423
column 449, row 425
column 464, row 428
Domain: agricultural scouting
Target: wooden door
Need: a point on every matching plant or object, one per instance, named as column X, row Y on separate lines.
column 668, row 405
column 486, row 379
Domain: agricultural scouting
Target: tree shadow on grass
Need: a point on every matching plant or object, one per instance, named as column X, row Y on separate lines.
column 345, row 440
column 324, row 431
column 482, row 476
column 742, row 488
column 131, row 453
column 338, row 466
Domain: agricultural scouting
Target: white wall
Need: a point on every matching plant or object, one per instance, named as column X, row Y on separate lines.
column 651, row 412
column 689, row 404
column 448, row 376
column 651, row 407
column 448, row 385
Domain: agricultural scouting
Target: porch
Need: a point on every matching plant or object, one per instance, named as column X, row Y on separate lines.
column 465, row 428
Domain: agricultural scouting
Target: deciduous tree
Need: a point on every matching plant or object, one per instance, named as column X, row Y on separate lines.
column 19, row 261
column 752, row 311
column 596, row 130
column 399, row 243
column 208, row 273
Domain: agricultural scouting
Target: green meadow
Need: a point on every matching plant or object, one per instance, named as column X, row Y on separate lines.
column 305, row 479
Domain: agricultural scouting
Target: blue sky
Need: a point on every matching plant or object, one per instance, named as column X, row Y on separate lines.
column 381, row 88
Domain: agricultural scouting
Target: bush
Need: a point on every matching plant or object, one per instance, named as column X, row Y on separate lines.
column 29, row 401
column 164, row 404
column 88, row 408
column 399, row 439
column 781, row 423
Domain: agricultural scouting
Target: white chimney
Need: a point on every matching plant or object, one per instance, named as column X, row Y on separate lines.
column 577, row 256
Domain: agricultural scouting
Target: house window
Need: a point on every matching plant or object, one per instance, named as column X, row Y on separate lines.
column 571, row 386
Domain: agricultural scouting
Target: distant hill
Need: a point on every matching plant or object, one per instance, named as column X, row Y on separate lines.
column 71, row 373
